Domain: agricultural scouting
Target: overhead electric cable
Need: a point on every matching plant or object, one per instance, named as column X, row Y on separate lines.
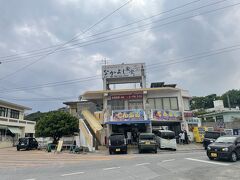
column 4, row 58
column 148, row 66
column 75, row 37
column 92, row 42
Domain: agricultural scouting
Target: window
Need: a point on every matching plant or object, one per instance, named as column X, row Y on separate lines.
column 158, row 103
column 117, row 104
column 3, row 111
column 14, row 114
column 166, row 104
column 174, row 103
column 186, row 104
column 151, row 103
column 135, row 105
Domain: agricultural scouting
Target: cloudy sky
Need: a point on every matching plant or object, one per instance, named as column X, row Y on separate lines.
column 193, row 43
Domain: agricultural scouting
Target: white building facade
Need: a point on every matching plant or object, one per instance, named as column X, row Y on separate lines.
column 136, row 110
column 12, row 123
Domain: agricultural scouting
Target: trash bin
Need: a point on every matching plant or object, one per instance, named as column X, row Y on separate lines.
column 49, row 147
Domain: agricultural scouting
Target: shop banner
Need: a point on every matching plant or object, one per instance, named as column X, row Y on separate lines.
column 126, row 97
column 128, row 115
column 166, row 115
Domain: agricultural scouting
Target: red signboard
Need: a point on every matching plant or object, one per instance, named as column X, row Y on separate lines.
column 124, row 97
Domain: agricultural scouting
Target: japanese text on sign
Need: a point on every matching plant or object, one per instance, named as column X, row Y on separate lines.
column 128, row 115
column 132, row 96
column 122, row 70
column 166, row 115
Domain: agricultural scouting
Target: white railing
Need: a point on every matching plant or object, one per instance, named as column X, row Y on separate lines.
column 18, row 121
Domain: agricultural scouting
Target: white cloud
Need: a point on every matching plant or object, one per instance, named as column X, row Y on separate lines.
column 44, row 23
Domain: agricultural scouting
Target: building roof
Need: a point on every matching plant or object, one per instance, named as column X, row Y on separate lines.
column 6, row 103
column 69, row 103
column 220, row 112
column 99, row 94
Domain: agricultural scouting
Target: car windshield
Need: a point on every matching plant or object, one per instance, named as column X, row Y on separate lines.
column 213, row 135
column 23, row 140
column 225, row 139
column 146, row 137
column 167, row 135
column 117, row 136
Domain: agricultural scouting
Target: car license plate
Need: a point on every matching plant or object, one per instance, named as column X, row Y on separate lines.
column 117, row 150
column 147, row 142
column 22, row 144
column 213, row 154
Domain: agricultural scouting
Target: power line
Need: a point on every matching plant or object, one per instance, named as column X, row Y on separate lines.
column 40, row 99
column 53, row 84
column 221, row 8
column 62, row 45
column 156, row 65
column 149, row 66
column 84, row 44
column 144, row 19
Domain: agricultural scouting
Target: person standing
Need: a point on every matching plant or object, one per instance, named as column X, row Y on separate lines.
column 186, row 137
column 182, row 137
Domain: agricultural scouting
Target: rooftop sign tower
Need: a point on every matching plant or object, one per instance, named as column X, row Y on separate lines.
column 123, row 73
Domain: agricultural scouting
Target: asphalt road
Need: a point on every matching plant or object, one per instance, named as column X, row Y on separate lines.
column 164, row 165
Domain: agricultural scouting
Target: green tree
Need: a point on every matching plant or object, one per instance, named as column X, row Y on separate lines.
column 204, row 102
column 234, row 98
column 34, row 116
column 56, row 124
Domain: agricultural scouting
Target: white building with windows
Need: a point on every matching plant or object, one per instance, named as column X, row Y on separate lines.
column 12, row 123
column 132, row 110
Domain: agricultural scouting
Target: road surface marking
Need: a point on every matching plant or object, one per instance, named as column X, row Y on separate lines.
column 30, row 179
column 168, row 160
column 210, row 162
column 105, row 169
column 70, row 174
column 142, row 164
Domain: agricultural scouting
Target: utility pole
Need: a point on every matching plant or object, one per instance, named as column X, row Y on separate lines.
column 229, row 105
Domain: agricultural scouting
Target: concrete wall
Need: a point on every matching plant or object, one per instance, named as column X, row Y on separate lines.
column 228, row 125
column 6, row 144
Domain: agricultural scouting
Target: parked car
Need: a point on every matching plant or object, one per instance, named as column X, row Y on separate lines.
column 210, row 137
column 147, row 141
column 27, row 143
column 117, row 143
column 166, row 139
column 225, row 147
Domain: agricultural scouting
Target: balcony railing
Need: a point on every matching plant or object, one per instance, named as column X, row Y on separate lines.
column 18, row 121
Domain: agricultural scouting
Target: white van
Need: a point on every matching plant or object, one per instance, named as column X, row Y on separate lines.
column 166, row 139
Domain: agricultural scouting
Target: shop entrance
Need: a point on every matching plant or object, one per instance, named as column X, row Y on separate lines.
column 131, row 131
column 172, row 126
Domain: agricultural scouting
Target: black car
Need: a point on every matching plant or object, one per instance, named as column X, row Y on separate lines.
column 225, row 147
column 147, row 141
column 27, row 143
column 117, row 143
column 210, row 137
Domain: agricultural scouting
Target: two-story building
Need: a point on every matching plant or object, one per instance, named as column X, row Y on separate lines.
column 12, row 123
column 133, row 110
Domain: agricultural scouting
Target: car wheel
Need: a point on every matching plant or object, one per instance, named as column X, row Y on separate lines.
column 233, row 157
column 211, row 158
column 110, row 152
column 18, row 149
column 155, row 151
column 139, row 151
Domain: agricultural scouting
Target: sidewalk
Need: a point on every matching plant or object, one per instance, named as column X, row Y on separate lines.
column 190, row 147
column 133, row 149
